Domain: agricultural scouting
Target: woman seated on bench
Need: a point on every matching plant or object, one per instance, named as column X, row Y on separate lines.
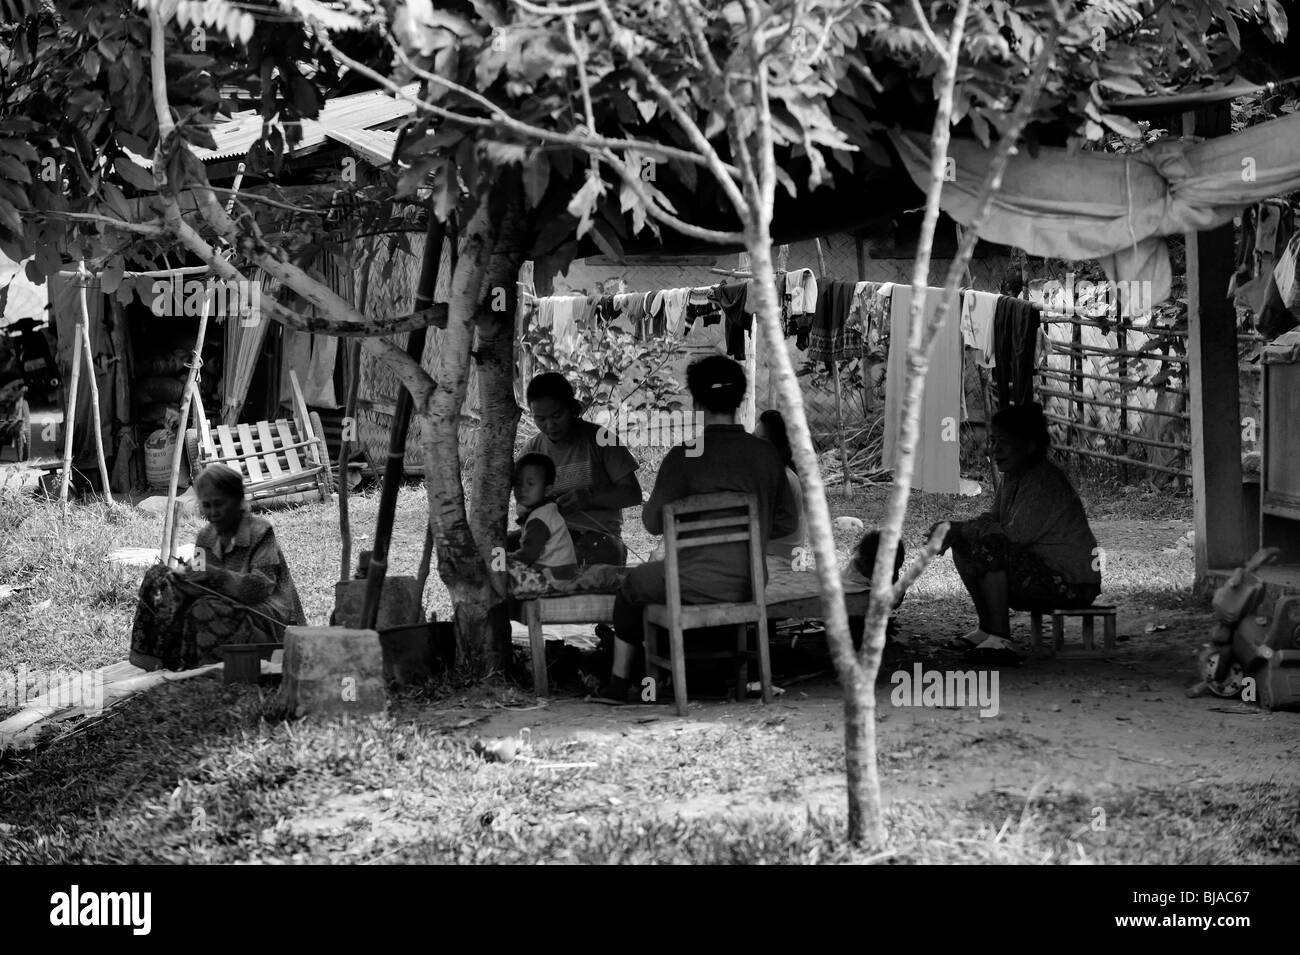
column 236, row 590
column 729, row 459
column 1033, row 549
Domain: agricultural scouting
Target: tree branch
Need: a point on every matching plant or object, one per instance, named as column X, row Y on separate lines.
column 660, row 215
column 924, row 23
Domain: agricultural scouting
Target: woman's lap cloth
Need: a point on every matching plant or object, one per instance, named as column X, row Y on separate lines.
column 183, row 631
column 1031, row 583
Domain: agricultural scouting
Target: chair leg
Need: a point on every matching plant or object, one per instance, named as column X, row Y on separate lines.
column 537, row 643
column 742, row 661
column 1087, row 633
column 677, row 651
column 1058, row 633
column 1036, row 623
column 1108, row 632
column 764, row 660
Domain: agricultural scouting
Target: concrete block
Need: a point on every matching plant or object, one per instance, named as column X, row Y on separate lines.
column 332, row 670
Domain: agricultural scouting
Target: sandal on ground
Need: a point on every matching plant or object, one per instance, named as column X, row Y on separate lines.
column 961, row 644
column 995, row 650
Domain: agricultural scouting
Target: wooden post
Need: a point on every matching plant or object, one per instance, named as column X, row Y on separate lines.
column 70, row 421
column 821, row 259
column 782, row 265
column 190, row 394
column 349, row 427
column 1121, row 340
column 839, row 423
column 1214, row 386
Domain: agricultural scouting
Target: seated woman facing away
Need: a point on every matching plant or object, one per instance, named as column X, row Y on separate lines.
column 236, row 590
column 771, row 428
column 1033, row 549
column 729, row 459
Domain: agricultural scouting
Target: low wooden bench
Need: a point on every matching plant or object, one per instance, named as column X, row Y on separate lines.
column 1086, row 615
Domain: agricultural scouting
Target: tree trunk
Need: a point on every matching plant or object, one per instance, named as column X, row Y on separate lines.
column 866, row 826
column 498, row 412
column 460, row 564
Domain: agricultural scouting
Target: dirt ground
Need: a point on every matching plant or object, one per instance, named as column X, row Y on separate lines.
column 1077, row 724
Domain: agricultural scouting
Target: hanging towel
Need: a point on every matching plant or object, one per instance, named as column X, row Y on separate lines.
column 938, row 461
column 564, row 321
column 1015, row 349
column 318, row 386
column 977, row 324
column 801, row 291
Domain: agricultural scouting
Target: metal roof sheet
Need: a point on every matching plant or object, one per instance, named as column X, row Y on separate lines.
column 357, row 112
column 375, row 146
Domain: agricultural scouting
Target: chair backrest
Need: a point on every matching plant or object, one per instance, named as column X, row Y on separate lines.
column 704, row 520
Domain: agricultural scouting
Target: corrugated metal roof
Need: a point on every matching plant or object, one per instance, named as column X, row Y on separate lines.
column 375, row 146
column 357, row 113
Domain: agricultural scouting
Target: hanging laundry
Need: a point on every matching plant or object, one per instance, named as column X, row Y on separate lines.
column 1280, row 311
column 977, row 310
column 869, row 317
column 731, row 299
column 1015, row 349
column 828, row 338
column 669, row 306
column 801, row 291
column 560, row 314
column 938, row 451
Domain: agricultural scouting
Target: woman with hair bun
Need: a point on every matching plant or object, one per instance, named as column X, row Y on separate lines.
column 1034, row 549
column 237, row 589
column 729, row 459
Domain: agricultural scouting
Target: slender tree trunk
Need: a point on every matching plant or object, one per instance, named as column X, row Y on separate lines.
column 866, row 826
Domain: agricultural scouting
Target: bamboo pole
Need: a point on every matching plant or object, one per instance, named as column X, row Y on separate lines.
column 1128, row 384
column 350, row 425
column 190, row 394
column 1116, row 459
column 1136, row 438
column 748, row 407
column 1081, row 400
column 97, row 424
column 1069, row 348
column 821, row 259
column 70, row 423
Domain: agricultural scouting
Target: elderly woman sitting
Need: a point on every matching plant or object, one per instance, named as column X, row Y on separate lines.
column 236, row 590
column 1034, row 549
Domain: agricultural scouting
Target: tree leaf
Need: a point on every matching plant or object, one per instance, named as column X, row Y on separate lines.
column 14, row 170
column 1122, row 125
column 111, row 275
column 133, row 175
column 537, row 175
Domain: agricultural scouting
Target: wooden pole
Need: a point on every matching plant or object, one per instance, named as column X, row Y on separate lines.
column 395, row 466
column 782, row 265
column 1121, row 339
column 95, row 420
column 839, row 422
column 349, row 427
column 821, row 259
column 71, row 420
column 190, row 394
column 1215, row 386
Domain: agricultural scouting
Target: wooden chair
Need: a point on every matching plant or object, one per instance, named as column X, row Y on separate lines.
column 707, row 520
column 283, row 462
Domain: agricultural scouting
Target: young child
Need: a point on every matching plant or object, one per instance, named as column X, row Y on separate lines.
column 864, row 561
column 544, row 542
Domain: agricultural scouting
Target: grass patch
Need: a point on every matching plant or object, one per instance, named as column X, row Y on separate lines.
column 196, row 773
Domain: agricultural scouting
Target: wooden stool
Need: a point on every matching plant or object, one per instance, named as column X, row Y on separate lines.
column 1087, row 614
